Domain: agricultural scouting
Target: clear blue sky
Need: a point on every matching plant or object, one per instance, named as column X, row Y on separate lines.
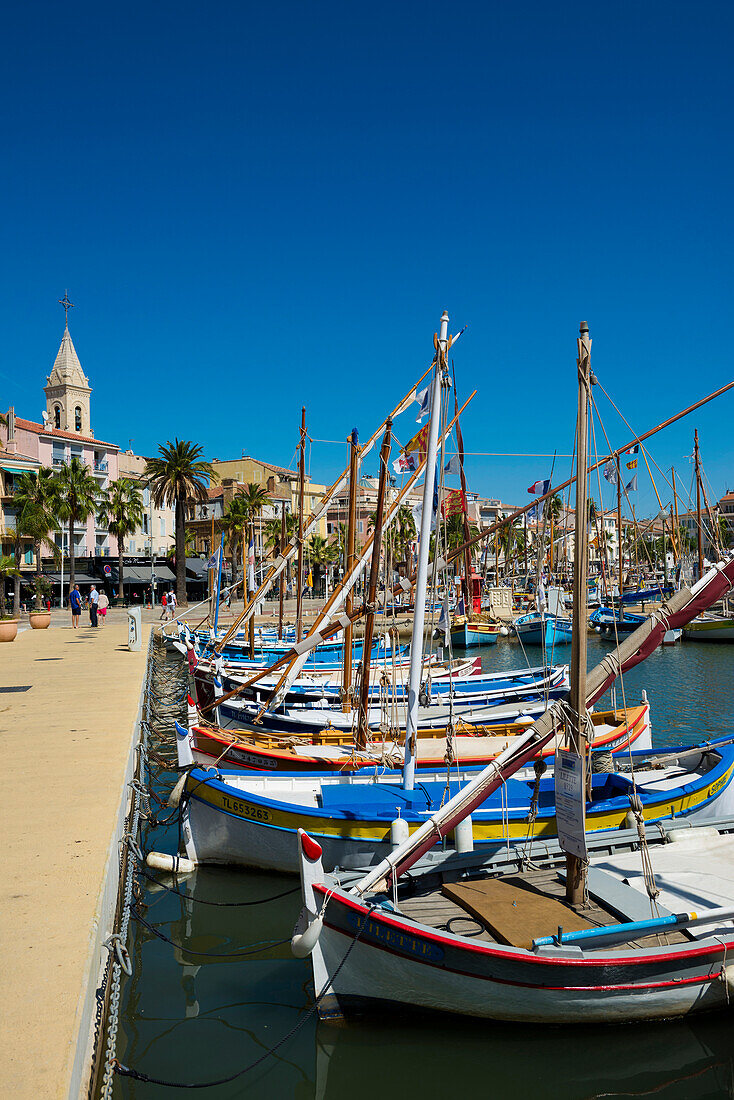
column 255, row 207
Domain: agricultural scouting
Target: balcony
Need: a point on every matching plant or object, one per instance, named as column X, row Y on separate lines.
column 101, row 469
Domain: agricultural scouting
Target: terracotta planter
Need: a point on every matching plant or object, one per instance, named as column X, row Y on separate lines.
column 8, row 630
column 40, row 620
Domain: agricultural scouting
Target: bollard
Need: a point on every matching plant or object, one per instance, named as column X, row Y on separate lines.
column 134, row 632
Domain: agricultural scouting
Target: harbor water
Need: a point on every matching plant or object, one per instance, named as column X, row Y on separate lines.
column 226, row 988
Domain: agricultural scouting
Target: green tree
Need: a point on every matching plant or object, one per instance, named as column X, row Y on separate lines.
column 320, row 553
column 238, row 523
column 36, row 500
column 8, row 568
column 271, row 533
column 121, row 512
column 178, row 475
column 76, row 495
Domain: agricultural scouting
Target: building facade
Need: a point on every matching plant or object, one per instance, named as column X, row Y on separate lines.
column 158, row 529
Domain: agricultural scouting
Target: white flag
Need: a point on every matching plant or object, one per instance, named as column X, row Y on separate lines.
column 423, row 397
column 213, row 562
column 453, row 466
column 610, row 471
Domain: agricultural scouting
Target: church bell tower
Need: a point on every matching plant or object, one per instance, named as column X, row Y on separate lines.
column 67, row 388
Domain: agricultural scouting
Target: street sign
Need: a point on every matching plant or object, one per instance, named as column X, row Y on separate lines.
column 108, row 571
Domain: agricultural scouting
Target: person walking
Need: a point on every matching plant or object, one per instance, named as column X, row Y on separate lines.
column 172, row 604
column 75, row 603
column 93, row 604
column 164, row 605
column 102, row 604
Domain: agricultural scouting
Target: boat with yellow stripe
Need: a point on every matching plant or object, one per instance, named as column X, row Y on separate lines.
column 253, row 819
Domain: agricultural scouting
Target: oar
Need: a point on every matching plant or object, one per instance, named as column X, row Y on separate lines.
column 631, row 929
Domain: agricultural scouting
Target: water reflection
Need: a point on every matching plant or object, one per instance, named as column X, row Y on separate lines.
column 194, row 1018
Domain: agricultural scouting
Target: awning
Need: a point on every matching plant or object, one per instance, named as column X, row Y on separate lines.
column 18, row 469
column 140, row 574
column 164, row 573
column 79, row 578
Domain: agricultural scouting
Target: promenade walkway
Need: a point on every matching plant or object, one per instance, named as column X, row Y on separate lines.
column 65, row 736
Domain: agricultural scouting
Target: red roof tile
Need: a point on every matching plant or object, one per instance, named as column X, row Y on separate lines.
column 31, row 426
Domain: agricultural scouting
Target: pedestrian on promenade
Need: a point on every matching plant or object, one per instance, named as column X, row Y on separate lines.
column 102, row 604
column 172, row 604
column 164, row 604
column 75, row 602
column 93, row 602
column 48, row 603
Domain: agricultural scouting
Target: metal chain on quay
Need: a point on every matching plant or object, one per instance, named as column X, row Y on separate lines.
column 164, row 700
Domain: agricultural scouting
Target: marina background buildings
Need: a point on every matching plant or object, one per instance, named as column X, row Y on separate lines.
column 66, row 432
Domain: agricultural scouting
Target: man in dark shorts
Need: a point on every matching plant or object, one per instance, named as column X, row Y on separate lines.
column 75, row 602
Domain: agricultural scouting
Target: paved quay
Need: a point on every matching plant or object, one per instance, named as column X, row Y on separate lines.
column 65, row 743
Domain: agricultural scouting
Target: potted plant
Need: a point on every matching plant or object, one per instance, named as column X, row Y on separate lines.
column 41, row 620
column 8, row 625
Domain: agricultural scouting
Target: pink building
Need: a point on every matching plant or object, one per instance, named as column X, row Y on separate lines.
column 65, row 434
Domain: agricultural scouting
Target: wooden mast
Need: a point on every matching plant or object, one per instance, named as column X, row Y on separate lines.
column 246, row 583
column 619, row 528
column 675, row 509
column 281, row 585
column 468, row 590
column 349, row 559
column 369, row 622
column 301, row 482
column 575, row 867
column 698, row 503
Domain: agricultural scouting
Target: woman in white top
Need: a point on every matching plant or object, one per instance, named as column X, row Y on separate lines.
column 102, row 604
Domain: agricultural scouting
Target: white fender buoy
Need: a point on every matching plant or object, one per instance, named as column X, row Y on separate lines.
column 175, row 796
column 174, row 865
column 504, row 631
column 303, row 943
column 399, row 831
column 464, row 835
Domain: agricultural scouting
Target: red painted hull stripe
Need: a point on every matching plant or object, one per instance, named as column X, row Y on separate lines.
column 527, row 957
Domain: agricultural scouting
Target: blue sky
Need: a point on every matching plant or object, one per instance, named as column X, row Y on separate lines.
column 256, row 207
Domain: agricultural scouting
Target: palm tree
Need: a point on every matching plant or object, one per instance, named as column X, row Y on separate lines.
column 121, row 512
column 405, row 531
column 76, row 494
column 320, row 553
column 272, row 531
column 239, row 519
column 179, row 476
column 235, row 523
column 37, row 502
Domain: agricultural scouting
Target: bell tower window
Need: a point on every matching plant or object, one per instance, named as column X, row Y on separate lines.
column 78, row 418
column 57, row 416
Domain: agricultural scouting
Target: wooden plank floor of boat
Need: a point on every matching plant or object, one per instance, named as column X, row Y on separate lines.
column 437, row 910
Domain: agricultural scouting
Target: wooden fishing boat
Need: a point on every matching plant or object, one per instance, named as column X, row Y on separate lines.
column 461, row 938
column 651, row 592
column 325, row 750
column 710, row 628
column 608, row 622
column 253, row 820
column 470, row 632
column 311, row 706
column 541, row 628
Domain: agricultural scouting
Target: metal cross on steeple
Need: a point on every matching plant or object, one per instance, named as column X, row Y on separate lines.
column 67, row 304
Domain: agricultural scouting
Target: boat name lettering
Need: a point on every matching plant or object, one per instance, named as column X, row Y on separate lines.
column 242, row 809
column 715, row 787
column 398, row 940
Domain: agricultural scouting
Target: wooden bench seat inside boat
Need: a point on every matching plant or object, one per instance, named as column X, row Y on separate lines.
column 515, row 911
